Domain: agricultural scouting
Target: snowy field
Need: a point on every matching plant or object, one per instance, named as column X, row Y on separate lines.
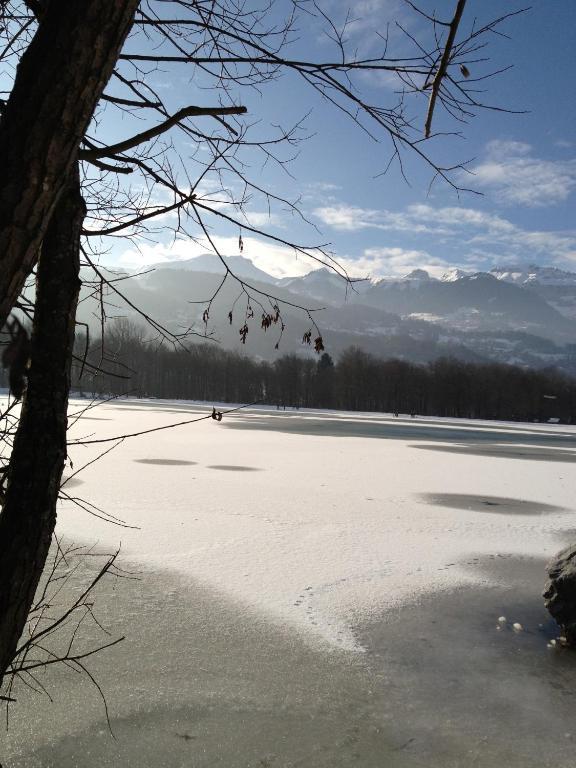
column 321, row 520
column 326, row 568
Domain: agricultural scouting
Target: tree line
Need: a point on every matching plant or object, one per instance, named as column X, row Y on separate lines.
column 127, row 362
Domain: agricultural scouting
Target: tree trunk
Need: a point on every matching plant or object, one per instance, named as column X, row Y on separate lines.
column 58, row 83
column 29, row 514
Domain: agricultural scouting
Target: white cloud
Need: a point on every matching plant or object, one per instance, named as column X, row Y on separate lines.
column 276, row 260
column 419, row 236
column 365, row 24
column 281, row 261
column 470, row 227
column 323, row 186
column 393, row 261
column 370, row 20
column 499, row 148
column 259, row 219
column 518, row 178
column 453, row 218
column 468, row 230
column 364, row 18
column 349, row 218
column 418, row 218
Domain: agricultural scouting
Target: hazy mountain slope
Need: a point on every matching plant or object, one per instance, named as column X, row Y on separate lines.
column 417, row 318
column 474, row 302
column 209, row 262
column 326, row 286
column 503, row 300
column 555, row 286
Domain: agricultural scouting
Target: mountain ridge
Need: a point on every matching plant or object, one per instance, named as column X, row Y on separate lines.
column 505, row 315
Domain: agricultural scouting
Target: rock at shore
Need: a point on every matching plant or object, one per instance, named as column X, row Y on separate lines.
column 560, row 594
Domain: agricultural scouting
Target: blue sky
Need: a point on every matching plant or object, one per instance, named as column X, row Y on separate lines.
column 523, row 164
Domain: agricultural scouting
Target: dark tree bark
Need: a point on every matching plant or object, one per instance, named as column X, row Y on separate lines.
column 58, row 83
column 29, row 514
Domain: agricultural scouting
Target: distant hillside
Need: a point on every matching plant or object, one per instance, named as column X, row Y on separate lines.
column 557, row 287
column 513, row 315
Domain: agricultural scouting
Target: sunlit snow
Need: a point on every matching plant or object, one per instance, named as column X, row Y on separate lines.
column 319, row 521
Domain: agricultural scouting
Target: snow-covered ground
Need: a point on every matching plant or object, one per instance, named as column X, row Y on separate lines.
column 317, row 590
column 320, row 520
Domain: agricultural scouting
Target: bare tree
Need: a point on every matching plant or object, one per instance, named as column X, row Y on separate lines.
column 59, row 79
column 69, row 69
column 52, row 632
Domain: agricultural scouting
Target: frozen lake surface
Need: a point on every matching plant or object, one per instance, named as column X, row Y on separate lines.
column 317, row 589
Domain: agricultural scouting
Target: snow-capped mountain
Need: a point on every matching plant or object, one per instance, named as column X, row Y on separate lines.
column 418, row 274
column 522, row 315
column 454, row 274
column 472, row 302
column 555, row 286
column 531, row 274
column 536, row 300
column 540, row 301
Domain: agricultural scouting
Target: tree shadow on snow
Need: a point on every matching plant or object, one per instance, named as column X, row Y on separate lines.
column 166, row 462
column 491, row 504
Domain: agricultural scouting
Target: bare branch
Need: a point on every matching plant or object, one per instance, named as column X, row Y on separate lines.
column 441, row 71
column 140, row 138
